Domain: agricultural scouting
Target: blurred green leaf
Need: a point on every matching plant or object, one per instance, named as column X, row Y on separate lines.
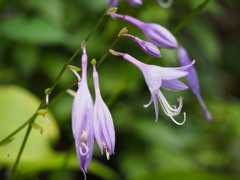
column 196, row 175
column 31, row 30
column 16, row 106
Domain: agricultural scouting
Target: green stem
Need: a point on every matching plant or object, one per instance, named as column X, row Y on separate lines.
column 190, row 16
column 18, row 129
column 14, row 170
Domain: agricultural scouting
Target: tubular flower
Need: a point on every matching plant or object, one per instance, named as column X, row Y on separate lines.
column 114, row 4
column 135, row 3
column 156, row 33
column 155, row 77
column 103, row 123
column 192, row 79
column 82, row 119
column 148, row 47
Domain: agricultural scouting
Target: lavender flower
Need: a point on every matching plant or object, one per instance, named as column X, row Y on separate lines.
column 148, row 47
column 192, row 79
column 114, row 4
column 103, row 123
column 154, row 77
column 82, row 119
column 135, row 3
column 156, row 33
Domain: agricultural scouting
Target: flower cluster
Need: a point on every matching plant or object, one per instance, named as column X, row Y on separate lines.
column 90, row 119
column 161, row 37
column 93, row 120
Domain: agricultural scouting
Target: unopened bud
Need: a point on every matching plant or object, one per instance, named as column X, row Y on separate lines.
column 123, row 31
column 112, row 10
column 94, row 61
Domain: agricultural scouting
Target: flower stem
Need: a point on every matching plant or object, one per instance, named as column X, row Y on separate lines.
column 195, row 12
column 14, row 170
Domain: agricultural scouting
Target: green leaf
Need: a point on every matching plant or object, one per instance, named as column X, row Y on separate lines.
column 35, row 30
column 16, row 106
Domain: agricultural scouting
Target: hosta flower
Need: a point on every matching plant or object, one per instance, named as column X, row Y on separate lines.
column 114, row 4
column 155, row 76
column 192, row 79
column 135, row 3
column 156, row 33
column 148, row 47
column 82, row 119
column 103, row 123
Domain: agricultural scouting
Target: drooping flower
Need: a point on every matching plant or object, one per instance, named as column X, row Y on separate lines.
column 114, row 4
column 155, row 77
column 156, row 33
column 82, row 119
column 103, row 123
column 192, row 79
column 148, row 47
column 135, row 3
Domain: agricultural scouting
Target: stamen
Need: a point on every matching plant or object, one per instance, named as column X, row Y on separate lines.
column 106, row 150
column 86, row 149
column 179, row 123
column 84, row 136
column 163, row 101
column 171, row 111
column 107, row 155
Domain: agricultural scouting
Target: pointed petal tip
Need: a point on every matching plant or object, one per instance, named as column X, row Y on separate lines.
column 209, row 117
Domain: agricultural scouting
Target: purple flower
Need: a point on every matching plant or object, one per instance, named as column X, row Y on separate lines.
column 103, row 123
column 156, row 33
column 148, row 47
column 135, row 3
column 82, row 119
column 192, row 79
column 114, row 4
column 155, row 76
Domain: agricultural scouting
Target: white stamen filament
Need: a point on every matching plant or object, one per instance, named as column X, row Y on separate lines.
column 171, row 111
column 47, row 99
column 83, row 153
column 47, row 119
column 107, row 155
column 106, row 150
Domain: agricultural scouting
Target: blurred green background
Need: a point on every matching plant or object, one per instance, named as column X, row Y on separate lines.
column 38, row 37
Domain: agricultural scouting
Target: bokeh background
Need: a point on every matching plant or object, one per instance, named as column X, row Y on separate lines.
column 38, row 37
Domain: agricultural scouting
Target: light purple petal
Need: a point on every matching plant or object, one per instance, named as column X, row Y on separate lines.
column 148, row 47
column 82, row 119
column 192, row 79
column 103, row 123
column 156, row 33
column 135, row 3
column 114, row 4
column 174, row 85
